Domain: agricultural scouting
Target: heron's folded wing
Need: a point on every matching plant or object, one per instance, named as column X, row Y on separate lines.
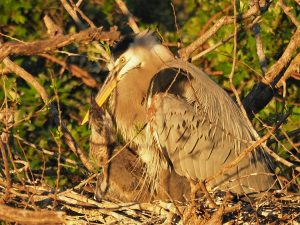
column 201, row 129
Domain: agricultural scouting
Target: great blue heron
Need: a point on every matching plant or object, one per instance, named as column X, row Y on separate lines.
column 179, row 118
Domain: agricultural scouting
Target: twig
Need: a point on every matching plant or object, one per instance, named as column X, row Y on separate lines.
column 281, row 137
column 131, row 22
column 51, row 44
column 258, row 40
column 288, row 13
column 284, row 59
column 280, row 159
column 76, row 7
column 211, row 201
column 45, row 151
column 74, row 70
column 187, row 51
column 175, row 21
column 215, row 16
column 23, row 216
column 234, row 55
column 293, row 67
column 41, row 90
column 198, row 56
column 57, row 139
column 72, row 13
column 259, row 48
column 262, row 93
column 6, row 168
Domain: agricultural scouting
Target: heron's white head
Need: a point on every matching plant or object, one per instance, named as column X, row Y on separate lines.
column 133, row 52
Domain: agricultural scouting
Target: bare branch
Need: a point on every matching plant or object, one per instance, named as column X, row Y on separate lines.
column 126, row 12
column 262, row 93
column 198, row 56
column 187, row 51
column 74, row 70
column 82, row 14
column 52, row 28
column 51, row 44
column 6, row 168
column 259, row 48
column 293, row 67
column 287, row 10
column 280, row 159
column 72, row 13
column 23, row 216
column 284, row 59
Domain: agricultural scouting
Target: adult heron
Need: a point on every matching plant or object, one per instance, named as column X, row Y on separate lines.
column 178, row 117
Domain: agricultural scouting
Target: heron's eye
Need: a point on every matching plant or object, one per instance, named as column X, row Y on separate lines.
column 122, row 60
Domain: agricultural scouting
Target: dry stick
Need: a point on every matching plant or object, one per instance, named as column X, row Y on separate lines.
column 45, row 151
column 187, row 51
column 259, row 46
column 6, row 169
column 58, row 142
column 74, row 70
column 212, row 19
column 72, row 13
column 288, row 13
column 76, row 7
column 53, row 30
column 51, row 44
column 234, row 60
column 280, row 159
column 175, row 22
column 199, row 55
column 41, row 90
column 23, row 216
column 281, row 137
column 126, row 12
column 284, row 59
column 293, row 67
column 203, row 188
column 263, row 92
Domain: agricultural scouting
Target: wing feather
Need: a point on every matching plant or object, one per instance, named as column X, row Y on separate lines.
column 202, row 129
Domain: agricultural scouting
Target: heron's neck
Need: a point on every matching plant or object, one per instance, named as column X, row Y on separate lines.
column 128, row 102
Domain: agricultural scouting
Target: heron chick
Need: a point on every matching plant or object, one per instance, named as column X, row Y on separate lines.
column 179, row 118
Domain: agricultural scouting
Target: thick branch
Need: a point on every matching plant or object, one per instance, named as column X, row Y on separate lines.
column 23, row 216
column 51, row 44
column 294, row 67
column 263, row 92
column 284, row 59
column 287, row 10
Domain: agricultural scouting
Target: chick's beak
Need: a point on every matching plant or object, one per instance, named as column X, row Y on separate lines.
column 107, row 88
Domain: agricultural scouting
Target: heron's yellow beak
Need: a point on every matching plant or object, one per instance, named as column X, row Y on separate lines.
column 102, row 96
